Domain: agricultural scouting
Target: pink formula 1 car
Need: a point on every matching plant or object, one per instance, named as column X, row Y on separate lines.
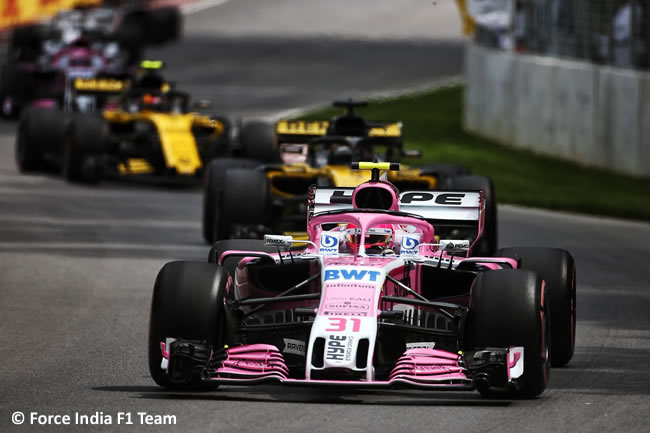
column 374, row 299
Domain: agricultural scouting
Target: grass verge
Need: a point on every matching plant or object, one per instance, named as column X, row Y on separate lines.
column 432, row 123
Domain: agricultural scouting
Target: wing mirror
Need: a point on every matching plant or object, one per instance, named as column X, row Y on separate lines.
column 278, row 241
column 454, row 245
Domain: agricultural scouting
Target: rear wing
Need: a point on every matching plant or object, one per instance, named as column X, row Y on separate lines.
column 305, row 131
column 440, row 208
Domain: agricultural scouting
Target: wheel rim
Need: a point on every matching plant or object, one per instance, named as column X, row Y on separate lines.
column 546, row 335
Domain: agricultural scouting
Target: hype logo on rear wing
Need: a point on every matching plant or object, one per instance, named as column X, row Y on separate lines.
column 450, row 208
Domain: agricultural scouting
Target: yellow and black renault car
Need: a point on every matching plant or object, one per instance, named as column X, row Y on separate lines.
column 146, row 130
column 245, row 196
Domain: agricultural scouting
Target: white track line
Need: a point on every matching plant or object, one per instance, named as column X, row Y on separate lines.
column 201, row 5
column 590, row 219
column 24, row 220
column 96, row 245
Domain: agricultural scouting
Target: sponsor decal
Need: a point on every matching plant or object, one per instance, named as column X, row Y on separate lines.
column 349, row 298
column 295, row 347
column 339, row 324
column 346, row 313
column 437, row 368
column 346, row 305
column 410, row 245
column 329, row 244
column 348, row 349
column 449, row 199
column 421, row 345
column 336, row 347
column 351, row 274
column 248, row 363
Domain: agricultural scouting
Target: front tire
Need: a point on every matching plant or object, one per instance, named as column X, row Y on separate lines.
column 511, row 308
column 557, row 268
column 188, row 303
column 40, row 132
column 87, row 139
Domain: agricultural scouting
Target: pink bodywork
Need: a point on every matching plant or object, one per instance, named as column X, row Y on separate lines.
column 419, row 368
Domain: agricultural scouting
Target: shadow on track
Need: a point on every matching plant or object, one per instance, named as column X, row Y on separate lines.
column 271, row 394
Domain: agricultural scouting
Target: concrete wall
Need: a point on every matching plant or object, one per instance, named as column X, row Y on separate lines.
column 594, row 115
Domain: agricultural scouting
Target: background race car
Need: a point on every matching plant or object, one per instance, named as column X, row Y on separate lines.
column 107, row 39
column 146, row 130
column 373, row 300
column 296, row 154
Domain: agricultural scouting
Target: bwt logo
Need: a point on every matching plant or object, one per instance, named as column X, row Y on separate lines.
column 329, row 244
column 351, row 274
column 410, row 243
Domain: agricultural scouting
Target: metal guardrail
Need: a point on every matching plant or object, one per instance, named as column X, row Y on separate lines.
column 608, row 32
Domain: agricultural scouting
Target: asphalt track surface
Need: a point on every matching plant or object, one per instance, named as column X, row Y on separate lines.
column 77, row 263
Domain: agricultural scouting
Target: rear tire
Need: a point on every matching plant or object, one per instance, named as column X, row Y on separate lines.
column 508, row 308
column 188, row 303
column 488, row 243
column 163, row 25
column 40, row 132
column 258, row 141
column 444, row 173
column 25, row 43
column 14, row 91
column 212, row 190
column 557, row 268
column 245, row 201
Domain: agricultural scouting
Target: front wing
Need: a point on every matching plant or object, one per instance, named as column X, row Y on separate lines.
column 420, row 368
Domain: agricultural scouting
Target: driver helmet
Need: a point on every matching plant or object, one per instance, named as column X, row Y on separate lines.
column 378, row 238
column 149, row 100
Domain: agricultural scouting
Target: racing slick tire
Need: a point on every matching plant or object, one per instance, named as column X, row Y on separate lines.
column 87, row 138
column 25, row 43
column 219, row 147
column 14, row 91
column 130, row 36
column 258, row 141
column 557, row 268
column 212, row 191
column 245, row 201
column 444, row 173
column 188, row 303
column 488, row 243
column 509, row 308
column 40, row 132
column 165, row 24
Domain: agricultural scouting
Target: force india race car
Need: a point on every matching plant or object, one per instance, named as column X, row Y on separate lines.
column 146, row 131
column 299, row 153
column 371, row 301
